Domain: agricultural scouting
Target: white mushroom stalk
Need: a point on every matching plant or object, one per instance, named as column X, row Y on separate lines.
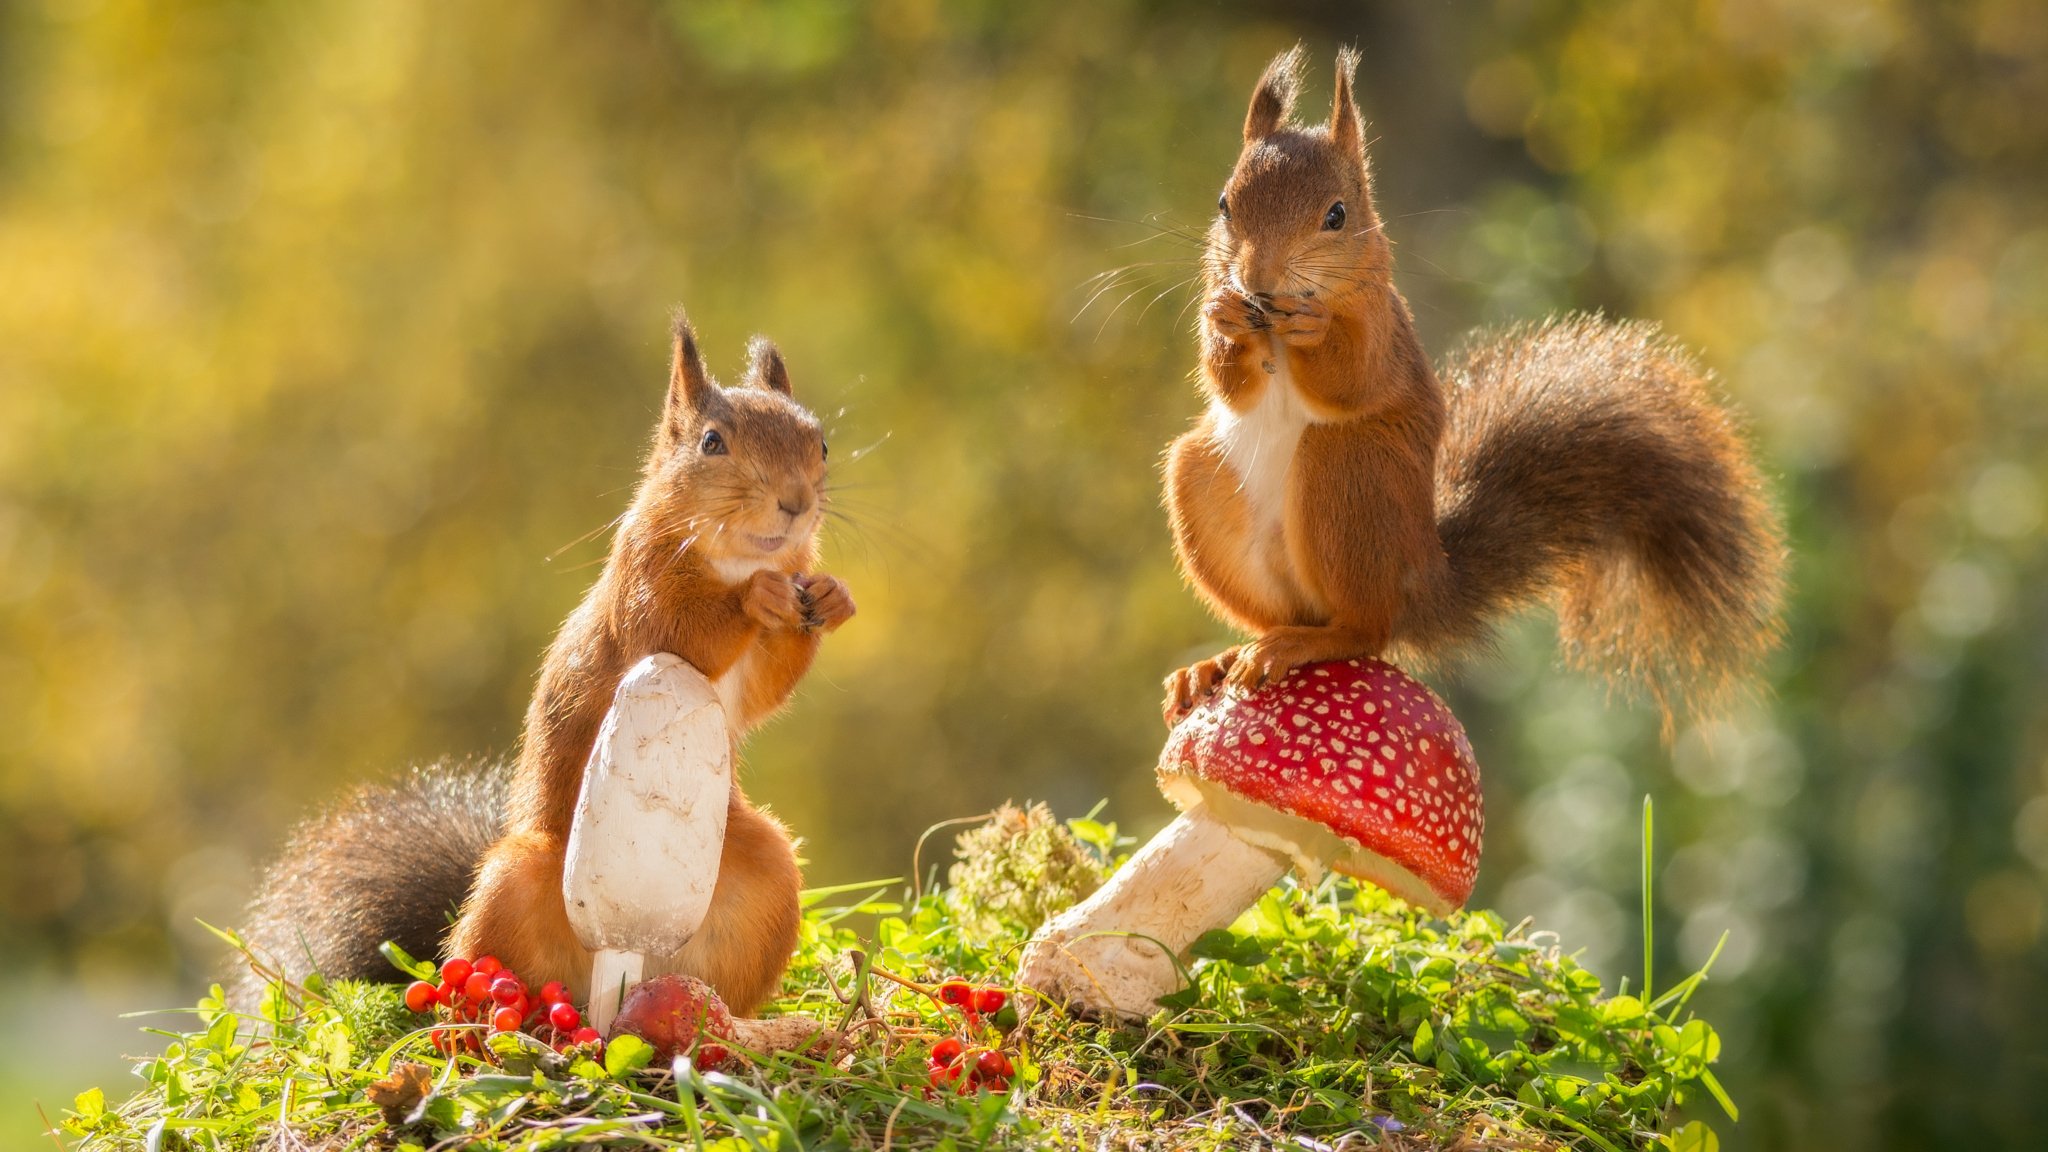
column 1105, row 954
column 649, row 830
column 1349, row 765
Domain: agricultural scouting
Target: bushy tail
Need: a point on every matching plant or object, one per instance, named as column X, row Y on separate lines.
column 1589, row 463
column 388, row 862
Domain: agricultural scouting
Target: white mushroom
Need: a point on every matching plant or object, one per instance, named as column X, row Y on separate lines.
column 649, row 828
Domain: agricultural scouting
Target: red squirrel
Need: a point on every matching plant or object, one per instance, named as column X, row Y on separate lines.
column 713, row 562
column 1338, row 499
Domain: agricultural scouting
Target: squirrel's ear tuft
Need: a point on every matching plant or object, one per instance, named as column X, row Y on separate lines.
column 1346, row 130
column 764, row 366
column 1273, row 99
column 689, row 386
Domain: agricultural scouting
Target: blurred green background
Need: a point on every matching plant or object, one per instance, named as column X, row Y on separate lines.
column 330, row 332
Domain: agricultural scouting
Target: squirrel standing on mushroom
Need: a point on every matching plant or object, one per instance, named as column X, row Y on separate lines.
column 712, row 562
column 1340, row 503
column 1337, row 499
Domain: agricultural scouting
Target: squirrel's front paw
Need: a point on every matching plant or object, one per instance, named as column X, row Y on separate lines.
column 1261, row 663
column 1190, row 686
column 830, row 604
column 773, row 600
column 1235, row 316
column 1300, row 321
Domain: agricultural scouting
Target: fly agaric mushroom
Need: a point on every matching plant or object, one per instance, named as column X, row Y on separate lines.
column 1350, row 765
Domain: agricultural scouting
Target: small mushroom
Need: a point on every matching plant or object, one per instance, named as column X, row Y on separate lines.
column 1350, row 765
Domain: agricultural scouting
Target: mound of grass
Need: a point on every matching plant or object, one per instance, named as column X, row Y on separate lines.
column 1326, row 1017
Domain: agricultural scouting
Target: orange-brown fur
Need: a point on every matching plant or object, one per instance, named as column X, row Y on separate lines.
column 678, row 581
column 712, row 562
column 1582, row 459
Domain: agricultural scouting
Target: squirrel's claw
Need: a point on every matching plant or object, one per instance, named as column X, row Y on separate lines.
column 1234, row 316
column 828, row 603
column 1300, row 321
column 1189, row 686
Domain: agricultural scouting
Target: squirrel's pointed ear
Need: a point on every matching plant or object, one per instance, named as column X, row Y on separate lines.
column 764, row 366
column 689, row 385
column 1345, row 127
column 1273, row 99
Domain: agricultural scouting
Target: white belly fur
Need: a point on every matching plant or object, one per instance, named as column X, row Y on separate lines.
column 731, row 685
column 1259, row 446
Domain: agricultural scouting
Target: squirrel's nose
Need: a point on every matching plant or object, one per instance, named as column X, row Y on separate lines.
column 793, row 508
column 1259, row 271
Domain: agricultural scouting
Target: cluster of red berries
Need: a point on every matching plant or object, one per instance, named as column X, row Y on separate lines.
column 971, row 999
column 948, row 1064
column 485, row 991
column 953, row 1062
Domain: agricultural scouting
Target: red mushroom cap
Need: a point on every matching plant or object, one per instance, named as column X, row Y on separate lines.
column 1350, row 764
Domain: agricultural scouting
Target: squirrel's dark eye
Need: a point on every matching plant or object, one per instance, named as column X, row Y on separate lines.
column 824, row 450
column 1335, row 218
column 713, row 444
column 1223, row 204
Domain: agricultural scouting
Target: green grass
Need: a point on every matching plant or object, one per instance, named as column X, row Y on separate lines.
column 1323, row 1013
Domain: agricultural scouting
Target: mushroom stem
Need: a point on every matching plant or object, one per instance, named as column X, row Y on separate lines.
column 1104, row 954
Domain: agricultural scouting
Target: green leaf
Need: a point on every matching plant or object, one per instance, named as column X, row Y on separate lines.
column 404, row 962
column 626, row 1053
column 1095, row 834
column 1622, row 1012
column 90, row 1105
column 1693, row 1137
column 220, row 1037
column 1223, row 944
column 1720, row 1095
column 1649, row 901
column 1425, row 1042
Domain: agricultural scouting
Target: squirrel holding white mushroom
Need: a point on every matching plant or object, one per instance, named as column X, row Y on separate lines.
column 713, row 562
column 1338, row 499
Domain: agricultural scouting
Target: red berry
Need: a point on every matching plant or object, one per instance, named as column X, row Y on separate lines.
column 989, row 1001
column 478, row 986
column 946, row 1051
column 506, row 1020
column 957, row 992
column 439, row 1038
column 488, row 965
column 565, row 1017
column 584, row 1035
column 447, row 992
column 712, row 1057
column 992, row 1065
column 553, row 992
column 456, row 971
column 938, row 1073
column 419, row 996
column 506, row 990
